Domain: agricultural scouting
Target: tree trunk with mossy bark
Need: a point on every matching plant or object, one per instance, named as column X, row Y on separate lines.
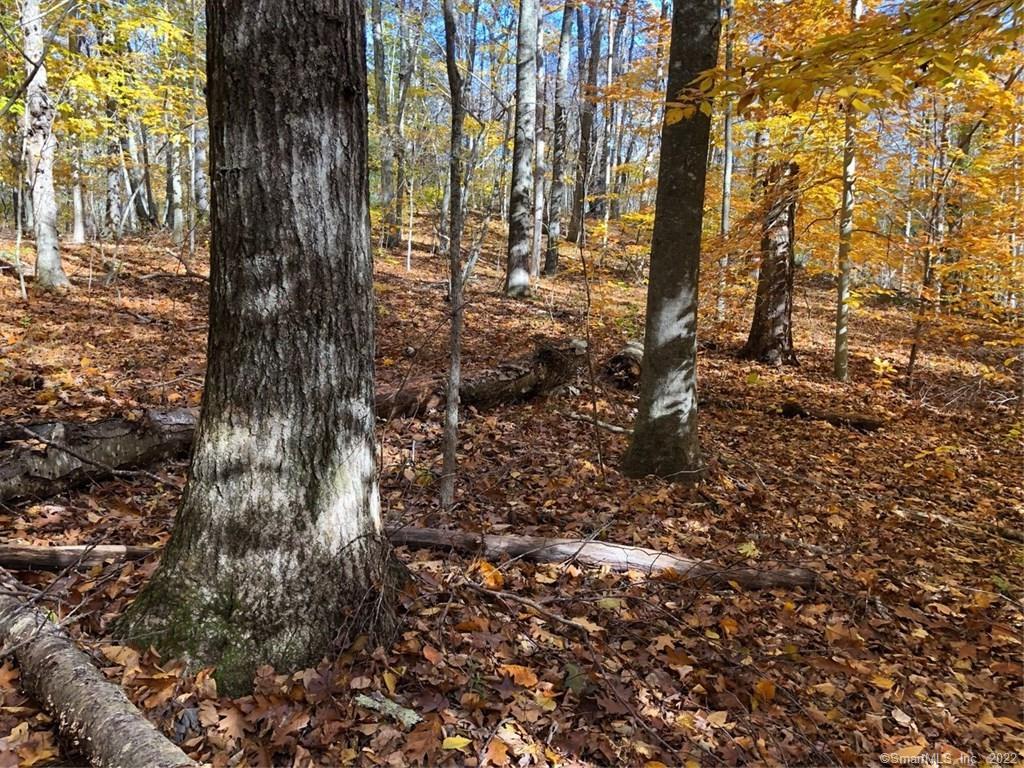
column 665, row 441
column 278, row 553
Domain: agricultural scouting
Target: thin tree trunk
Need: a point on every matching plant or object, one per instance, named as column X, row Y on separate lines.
column 455, row 217
column 77, row 202
column 277, row 551
column 381, row 93
column 175, row 204
column 539, row 167
column 40, row 146
column 520, row 211
column 665, row 441
column 841, row 357
column 137, row 177
column 587, row 109
column 927, row 296
column 200, row 181
column 114, row 213
column 727, row 161
column 560, row 138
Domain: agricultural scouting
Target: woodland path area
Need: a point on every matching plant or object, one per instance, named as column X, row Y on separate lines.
column 910, row 641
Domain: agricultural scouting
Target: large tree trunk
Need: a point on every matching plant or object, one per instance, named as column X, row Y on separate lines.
column 665, row 439
column 89, row 711
column 560, row 131
column 841, row 355
column 40, row 145
column 277, row 552
column 520, row 216
column 771, row 332
column 78, row 453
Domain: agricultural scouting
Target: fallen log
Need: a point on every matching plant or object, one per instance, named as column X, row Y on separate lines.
column 550, row 367
column 623, row 368
column 618, row 557
column 28, row 557
column 72, row 454
column 41, row 460
column 794, row 410
column 90, row 712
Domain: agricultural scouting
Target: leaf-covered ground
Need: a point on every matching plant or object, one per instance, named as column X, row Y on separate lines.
column 910, row 645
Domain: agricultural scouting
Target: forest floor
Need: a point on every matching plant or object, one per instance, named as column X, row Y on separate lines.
column 909, row 646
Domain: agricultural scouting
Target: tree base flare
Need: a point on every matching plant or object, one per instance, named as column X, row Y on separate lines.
column 209, row 620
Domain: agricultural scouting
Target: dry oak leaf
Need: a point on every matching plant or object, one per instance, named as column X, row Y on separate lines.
column 523, row 676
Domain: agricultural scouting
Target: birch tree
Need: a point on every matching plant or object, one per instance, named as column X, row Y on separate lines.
column 40, row 147
column 520, row 214
column 841, row 356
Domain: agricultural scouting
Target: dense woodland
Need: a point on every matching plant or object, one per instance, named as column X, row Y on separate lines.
column 497, row 382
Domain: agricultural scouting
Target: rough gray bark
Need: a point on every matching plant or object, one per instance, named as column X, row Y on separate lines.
column 277, row 552
column 520, row 211
column 587, row 110
column 560, row 135
column 40, row 146
column 841, row 355
column 455, row 216
column 665, row 441
column 89, row 710
column 617, row 557
column 771, row 331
